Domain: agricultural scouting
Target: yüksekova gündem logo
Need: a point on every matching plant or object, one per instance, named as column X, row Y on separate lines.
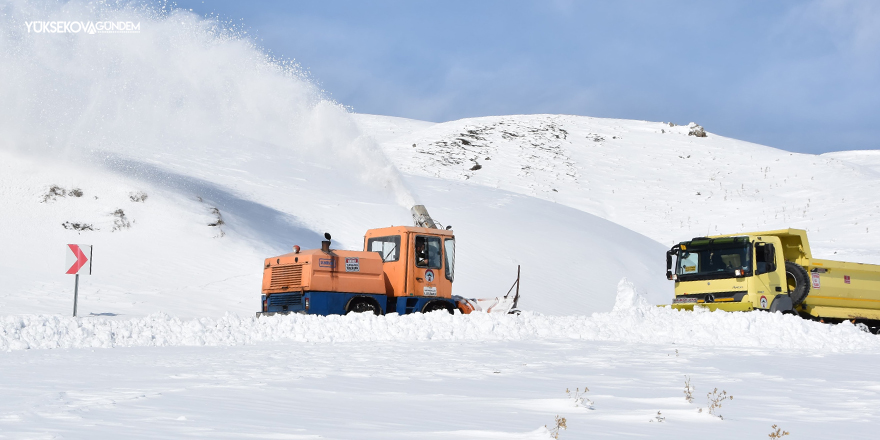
column 85, row 27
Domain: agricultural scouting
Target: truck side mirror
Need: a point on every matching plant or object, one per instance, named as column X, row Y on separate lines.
column 668, row 265
column 770, row 257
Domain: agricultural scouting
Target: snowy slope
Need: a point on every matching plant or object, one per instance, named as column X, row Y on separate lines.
column 169, row 258
column 655, row 179
column 869, row 159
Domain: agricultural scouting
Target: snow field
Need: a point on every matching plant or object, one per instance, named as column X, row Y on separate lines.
column 433, row 390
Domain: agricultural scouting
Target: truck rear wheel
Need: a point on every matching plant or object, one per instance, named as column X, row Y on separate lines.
column 363, row 305
column 798, row 282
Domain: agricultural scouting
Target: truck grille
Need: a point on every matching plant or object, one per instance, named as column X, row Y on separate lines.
column 286, row 276
column 293, row 299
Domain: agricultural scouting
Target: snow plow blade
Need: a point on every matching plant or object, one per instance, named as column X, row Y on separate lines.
column 727, row 307
column 500, row 304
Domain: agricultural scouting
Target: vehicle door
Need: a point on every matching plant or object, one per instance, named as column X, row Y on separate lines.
column 426, row 271
column 766, row 279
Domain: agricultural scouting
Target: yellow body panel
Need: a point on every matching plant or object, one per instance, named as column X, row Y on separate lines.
column 841, row 312
column 830, row 288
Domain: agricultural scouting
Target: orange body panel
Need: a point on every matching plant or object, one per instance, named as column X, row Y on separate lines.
column 315, row 270
column 403, row 277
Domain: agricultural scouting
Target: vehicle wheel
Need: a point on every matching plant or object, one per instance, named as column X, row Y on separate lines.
column 433, row 306
column 364, row 306
column 798, row 282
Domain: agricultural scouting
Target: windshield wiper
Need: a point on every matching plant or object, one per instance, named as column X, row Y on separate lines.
column 384, row 259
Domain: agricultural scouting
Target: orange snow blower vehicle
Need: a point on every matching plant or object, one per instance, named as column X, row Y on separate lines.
column 402, row 269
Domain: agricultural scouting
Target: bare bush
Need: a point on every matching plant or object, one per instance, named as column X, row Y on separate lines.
column 219, row 220
column 688, row 390
column 715, row 401
column 558, row 424
column 76, row 192
column 580, row 397
column 777, row 432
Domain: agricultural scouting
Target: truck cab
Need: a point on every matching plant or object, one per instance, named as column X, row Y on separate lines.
column 418, row 265
column 732, row 273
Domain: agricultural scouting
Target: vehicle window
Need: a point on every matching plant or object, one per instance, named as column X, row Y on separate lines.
column 449, row 244
column 688, row 263
column 427, row 252
column 719, row 258
column 760, row 262
column 387, row 247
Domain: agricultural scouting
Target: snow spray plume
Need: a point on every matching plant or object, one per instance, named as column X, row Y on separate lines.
column 179, row 83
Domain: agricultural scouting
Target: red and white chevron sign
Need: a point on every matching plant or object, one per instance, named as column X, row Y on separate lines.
column 79, row 259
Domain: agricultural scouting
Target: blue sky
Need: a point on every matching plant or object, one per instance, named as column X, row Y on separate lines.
column 798, row 75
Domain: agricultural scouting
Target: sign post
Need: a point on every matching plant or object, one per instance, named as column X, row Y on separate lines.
column 75, row 294
column 79, row 260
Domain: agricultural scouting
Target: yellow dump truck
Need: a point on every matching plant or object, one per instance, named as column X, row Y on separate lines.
column 773, row 271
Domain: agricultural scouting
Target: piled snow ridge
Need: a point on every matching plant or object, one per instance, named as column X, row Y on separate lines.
column 652, row 325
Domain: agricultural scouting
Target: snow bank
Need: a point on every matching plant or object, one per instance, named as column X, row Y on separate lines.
column 651, row 325
column 628, row 297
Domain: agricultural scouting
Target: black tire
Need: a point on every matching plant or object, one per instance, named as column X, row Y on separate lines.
column 433, row 306
column 363, row 305
column 798, row 282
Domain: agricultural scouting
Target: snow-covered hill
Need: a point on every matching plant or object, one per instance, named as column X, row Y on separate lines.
column 869, row 159
column 653, row 178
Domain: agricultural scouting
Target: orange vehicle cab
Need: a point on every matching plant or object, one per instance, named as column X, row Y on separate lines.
column 418, row 264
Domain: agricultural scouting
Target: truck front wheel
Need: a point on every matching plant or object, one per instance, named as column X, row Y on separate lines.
column 798, row 282
column 433, row 306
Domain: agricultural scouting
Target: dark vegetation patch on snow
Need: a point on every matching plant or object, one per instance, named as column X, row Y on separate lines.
column 76, row 226
column 138, row 196
column 53, row 193
column 120, row 221
column 539, row 143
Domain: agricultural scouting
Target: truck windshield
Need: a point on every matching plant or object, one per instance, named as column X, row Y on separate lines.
column 710, row 259
column 449, row 244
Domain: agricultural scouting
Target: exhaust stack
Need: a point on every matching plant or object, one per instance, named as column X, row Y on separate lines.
column 421, row 217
